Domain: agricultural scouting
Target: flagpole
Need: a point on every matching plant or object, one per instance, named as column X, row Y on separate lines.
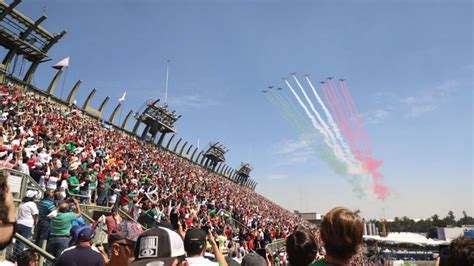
column 167, row 75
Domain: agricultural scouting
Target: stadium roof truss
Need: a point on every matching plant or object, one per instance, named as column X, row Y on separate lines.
column 22, row 36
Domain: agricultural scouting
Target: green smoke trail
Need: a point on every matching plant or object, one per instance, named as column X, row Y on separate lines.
column 309, row 135
column 280, row 110
column 302, row 127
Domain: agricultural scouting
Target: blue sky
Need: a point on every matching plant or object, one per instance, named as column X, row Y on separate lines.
column 409, row 65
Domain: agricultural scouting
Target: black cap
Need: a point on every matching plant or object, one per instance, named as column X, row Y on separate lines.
column 194, row 241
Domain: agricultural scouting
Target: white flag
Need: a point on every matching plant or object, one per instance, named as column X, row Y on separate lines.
column 62, row 64
column 122, row 99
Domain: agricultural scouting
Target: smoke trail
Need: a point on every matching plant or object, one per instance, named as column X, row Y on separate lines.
column 328, row 133
column 370, row 165
column 339, row 114
column 330, row 118
column 311, row 139
column 344, row 124
column 308, row 113
column 356, row 118
column 290, row 121
column 288, row 109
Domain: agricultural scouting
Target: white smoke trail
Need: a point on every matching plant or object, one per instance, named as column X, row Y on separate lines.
column 330, row 119
column 337, row 153
column 328, row 132
column 311, row 134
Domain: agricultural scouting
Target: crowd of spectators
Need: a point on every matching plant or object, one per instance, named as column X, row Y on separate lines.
column 78, row 159
column 72, row 156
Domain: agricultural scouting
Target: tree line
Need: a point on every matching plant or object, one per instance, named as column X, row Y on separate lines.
column 425, row 226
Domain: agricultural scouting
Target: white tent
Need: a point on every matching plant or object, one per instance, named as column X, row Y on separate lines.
column 407, row 238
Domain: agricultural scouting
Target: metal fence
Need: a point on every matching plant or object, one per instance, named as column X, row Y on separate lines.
column 13, row 251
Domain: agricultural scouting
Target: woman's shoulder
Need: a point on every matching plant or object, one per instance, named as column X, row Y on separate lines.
column 320, row 262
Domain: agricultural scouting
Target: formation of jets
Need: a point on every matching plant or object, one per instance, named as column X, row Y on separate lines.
column 294, row 73
column 271, row 88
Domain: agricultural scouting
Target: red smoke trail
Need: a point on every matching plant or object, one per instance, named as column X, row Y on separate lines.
column 345, row 110
column 340, row 118
column 365, row 155
column 359, row 127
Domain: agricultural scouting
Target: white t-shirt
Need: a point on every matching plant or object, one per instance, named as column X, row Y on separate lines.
column 50, row 184
column 25, row 169
column 44, row 157
column 25, row 213
column 200, row 261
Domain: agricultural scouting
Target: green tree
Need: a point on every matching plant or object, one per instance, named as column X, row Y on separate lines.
column 450, row 219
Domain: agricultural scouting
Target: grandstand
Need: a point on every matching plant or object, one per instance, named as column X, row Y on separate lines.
column 61, row 141
column 152, row 177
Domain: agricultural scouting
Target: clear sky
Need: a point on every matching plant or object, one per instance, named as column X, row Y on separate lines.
column 409, row 65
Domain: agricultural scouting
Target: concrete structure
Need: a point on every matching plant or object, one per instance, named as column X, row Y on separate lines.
column 311, row 217
column 450, row 233
column 32, row 45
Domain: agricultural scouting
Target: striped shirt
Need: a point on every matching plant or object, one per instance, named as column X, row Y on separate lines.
column 45, row 206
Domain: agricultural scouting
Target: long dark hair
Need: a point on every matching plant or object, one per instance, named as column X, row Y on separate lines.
column 3, row 192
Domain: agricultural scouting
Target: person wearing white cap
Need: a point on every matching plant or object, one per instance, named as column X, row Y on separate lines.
column 27, row 217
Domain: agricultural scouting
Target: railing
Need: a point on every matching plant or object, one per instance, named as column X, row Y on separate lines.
column 19, row 183
column 13, row 253
column 276, row 244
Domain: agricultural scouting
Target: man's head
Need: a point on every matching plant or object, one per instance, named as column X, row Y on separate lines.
column 122, row 246
column 158, row 244
column 7, row 213
column 49, row 194
column 253, row 259
column 195, row 242
column 28, row 258
column 341, row 232
column 63, row 207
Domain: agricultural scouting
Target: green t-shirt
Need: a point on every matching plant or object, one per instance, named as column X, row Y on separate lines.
column 108, row 180
column 152, row 212
column 73, row 180
column 61, row 224
column 321, row 262
column 221, row 239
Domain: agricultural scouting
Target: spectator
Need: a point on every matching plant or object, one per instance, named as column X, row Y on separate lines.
column 301, row 247
column 122, row 249
column 158, row 244
column 195, row 246
column 45, row 207
column 61, row 227
column 28, row 258
column 84, row 188
column 27, row 217
column 253, row 259
column 461, row 252
column 113, row 221
column 341, row 233
column 7, row 213
column 82, row 254
column 73, row 183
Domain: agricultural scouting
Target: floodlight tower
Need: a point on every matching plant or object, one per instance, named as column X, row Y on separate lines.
column 157, row 119
column 244, row 173
column 215, row 154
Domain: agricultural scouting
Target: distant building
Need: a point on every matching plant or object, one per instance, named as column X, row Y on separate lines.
column 312, row 217
column 450, row 233
column 370, row 229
